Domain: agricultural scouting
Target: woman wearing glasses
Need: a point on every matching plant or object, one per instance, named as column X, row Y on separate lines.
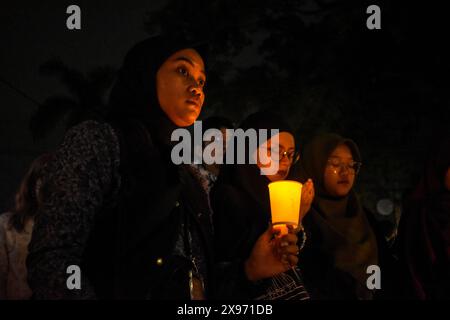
column 343, row 237
column 252, row 262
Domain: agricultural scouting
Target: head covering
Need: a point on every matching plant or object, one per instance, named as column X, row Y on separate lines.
column 315, row 157
column 217, row 122
column 248, row 176
column 342, row 223
column 149, row 178
column 424, row 230
column 134, row 94
column 266, row 120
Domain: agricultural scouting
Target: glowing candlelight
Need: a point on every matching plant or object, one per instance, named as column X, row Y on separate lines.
column 285, row 197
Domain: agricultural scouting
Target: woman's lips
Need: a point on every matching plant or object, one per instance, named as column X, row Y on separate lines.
column 194, row 103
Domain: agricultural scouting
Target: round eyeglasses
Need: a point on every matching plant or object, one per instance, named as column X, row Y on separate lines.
column 337, row 165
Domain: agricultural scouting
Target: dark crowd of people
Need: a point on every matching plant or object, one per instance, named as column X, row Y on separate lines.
column 111, row 201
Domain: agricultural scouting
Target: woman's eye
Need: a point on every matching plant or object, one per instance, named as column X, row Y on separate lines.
column 352, row 165
column 334, row 162
column 201, row 82
column 183, row 72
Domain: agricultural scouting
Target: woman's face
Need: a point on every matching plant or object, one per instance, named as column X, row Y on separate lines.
column 339, row 175
column 284, row 158
column 179, row 86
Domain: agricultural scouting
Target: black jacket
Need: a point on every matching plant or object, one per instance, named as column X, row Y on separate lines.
column 240, row 202
column 123, row 221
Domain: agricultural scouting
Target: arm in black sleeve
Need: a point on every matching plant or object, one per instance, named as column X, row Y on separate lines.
column 232, row 244
column 84, row 170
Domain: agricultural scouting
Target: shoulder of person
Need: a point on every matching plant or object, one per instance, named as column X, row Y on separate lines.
column 89, row 150
column 93, row 132
column 87, row 140
column 134, row 138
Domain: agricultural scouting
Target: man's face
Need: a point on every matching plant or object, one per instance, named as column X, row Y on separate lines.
column 179, row 86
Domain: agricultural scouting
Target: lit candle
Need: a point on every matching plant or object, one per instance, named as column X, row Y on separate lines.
column 285, row 197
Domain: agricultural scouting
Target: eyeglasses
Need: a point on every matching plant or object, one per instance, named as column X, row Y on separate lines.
column 292, row 156
column 353, row 167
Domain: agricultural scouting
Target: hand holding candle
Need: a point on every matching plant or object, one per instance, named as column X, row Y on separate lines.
column 271, row 255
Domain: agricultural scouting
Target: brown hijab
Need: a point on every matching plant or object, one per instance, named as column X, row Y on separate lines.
column 345, row 231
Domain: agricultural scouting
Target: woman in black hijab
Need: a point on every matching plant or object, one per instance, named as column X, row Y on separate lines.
column 241, row 206
column 135, row 224
column 343, row 239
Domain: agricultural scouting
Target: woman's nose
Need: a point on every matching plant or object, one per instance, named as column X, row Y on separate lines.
column 195, row 90
column 344, row 171
column 285, row 160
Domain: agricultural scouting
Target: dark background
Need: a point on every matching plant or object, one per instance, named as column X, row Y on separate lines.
column 315, row 61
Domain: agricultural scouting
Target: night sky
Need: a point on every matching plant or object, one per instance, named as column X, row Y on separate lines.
column 327, row 73
column 33, row 32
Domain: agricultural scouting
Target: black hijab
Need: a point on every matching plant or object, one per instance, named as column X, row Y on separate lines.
column 248, row 176
column 133, row 97
column 143, row 129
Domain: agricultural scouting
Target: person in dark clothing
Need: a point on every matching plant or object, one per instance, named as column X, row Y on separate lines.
column 241, row 203
column 136, row 225
column 221, row 124
column 343, row 238
column 214, row 144
column 423, row 241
